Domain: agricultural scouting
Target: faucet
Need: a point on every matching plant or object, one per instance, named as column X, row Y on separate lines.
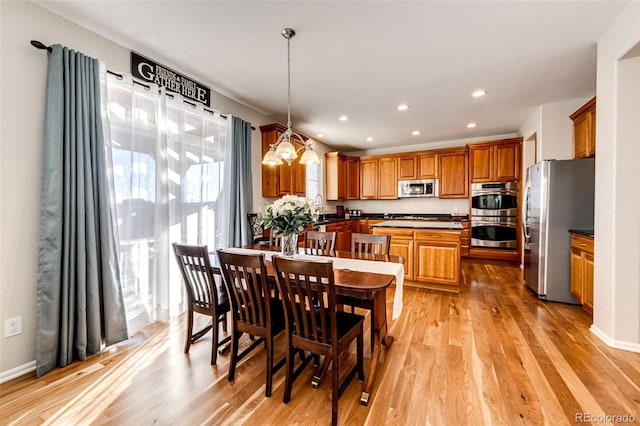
column 319, row 202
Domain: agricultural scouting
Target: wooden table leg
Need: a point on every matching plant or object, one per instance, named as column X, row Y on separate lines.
column 379, row 338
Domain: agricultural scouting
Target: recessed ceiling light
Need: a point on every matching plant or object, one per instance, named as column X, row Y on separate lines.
column 479, row 93
column 369, row 139
column 471, row 125
column 320, row 135
column 343, row 118
column 403, row 107
column 415, row 132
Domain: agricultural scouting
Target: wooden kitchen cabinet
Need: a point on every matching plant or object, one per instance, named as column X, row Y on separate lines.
column 418, row 166
column 427, row 166
column 582, row 262
column 495, row 161
column 335, row 176
column 437, row 257
column 352, row 165
column 454, row 172
column 387, row 178
column 407, row 167
column 368, row 178
column 401, row 245
column 584, row 130
column 343, row 232
column 465, row 239
column 286, row 178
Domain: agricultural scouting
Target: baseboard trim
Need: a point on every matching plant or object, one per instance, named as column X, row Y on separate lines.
column 617, row 344
column 18, row 371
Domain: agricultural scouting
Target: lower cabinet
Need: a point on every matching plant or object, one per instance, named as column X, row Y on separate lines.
column 432, row 256
column 437, row 257
column 343, row 232
column 401, row 245
column 582, row 270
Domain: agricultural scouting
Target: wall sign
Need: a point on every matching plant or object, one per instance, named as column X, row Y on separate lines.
column 148, row 70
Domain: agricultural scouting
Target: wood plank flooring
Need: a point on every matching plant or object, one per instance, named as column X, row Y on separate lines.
column 493, row 354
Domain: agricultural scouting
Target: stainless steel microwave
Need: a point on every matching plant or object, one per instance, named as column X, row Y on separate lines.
column 427, row 188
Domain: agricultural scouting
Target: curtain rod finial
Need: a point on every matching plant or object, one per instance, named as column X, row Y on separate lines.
column 39, row 45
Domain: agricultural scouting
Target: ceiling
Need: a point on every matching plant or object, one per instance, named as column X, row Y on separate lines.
column 362, row 59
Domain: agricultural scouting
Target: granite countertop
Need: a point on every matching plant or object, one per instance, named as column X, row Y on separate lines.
column 419, row 224
column 332, row 218
column 585, row 232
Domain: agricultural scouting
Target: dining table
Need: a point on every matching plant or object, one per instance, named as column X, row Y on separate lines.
column 361, row 276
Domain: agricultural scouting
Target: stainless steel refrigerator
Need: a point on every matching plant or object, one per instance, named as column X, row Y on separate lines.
column 558, row 196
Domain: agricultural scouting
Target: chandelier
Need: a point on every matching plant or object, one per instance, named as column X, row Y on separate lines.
column 283, row 148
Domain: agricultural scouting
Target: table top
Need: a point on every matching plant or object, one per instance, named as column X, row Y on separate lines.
column 350, row 282
column 340, row 254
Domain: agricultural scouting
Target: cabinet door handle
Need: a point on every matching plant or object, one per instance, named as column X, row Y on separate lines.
column 583, row 245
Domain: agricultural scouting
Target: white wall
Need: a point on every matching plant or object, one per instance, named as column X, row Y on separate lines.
column 553, row 129
column 22, row 85
column 616, row 317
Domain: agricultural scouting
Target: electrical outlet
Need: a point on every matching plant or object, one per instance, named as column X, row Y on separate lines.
column 12, row 326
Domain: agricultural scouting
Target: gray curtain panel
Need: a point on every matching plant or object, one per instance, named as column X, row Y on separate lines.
column 79, row 299
column 240, row 185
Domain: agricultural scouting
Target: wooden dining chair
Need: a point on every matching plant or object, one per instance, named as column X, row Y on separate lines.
column 321, row 243
column 205, row 294
column 253, row 311
column 274, row 240
column 257, row 230
column 368, row 243
column 314, row 323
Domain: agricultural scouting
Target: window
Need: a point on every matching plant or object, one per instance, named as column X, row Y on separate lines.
column 168, row 172
column 313, row 181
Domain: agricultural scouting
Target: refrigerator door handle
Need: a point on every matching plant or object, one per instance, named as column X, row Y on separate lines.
column 526, row 229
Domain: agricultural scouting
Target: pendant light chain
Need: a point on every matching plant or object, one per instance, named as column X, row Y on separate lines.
column 283, row 148
column 289, row 82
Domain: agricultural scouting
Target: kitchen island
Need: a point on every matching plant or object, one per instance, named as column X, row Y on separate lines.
column 431, row 250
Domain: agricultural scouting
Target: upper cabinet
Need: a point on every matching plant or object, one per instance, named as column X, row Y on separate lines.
column 368, row 178
column 427, row 166
column 584, row 130
column 335, row 176
column 407, row 167
column 342, row 177
column 286, row 178
column 418, row 166
column 352, row 165
column 387, row 178
column 495, row 161
column 454, row 173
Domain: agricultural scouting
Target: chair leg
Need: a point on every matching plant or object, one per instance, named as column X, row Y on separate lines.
column 225, row 319
column 268, row 383
column 235, row 340
column 187, row 344
column 288, row 383
column 335, row 391
column 214, row 343
column 360, row 354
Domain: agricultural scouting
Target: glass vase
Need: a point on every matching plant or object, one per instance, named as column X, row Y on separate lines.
column 289, row 244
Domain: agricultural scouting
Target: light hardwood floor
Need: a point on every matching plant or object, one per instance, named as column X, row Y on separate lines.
column 493, row 354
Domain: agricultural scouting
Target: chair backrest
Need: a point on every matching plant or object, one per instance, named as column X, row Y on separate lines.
column 308, row 294
column 245, row 278
column 274, row 240
column 198, row 276
column 319, row 241
column 257, row 230
column 368, row 243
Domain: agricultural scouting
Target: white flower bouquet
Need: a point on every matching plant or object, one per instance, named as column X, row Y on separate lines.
column 289, row 215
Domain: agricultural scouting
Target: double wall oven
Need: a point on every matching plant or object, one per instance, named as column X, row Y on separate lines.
column 494, row 215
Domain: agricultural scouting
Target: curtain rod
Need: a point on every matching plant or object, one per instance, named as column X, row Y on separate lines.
column 39, row 45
